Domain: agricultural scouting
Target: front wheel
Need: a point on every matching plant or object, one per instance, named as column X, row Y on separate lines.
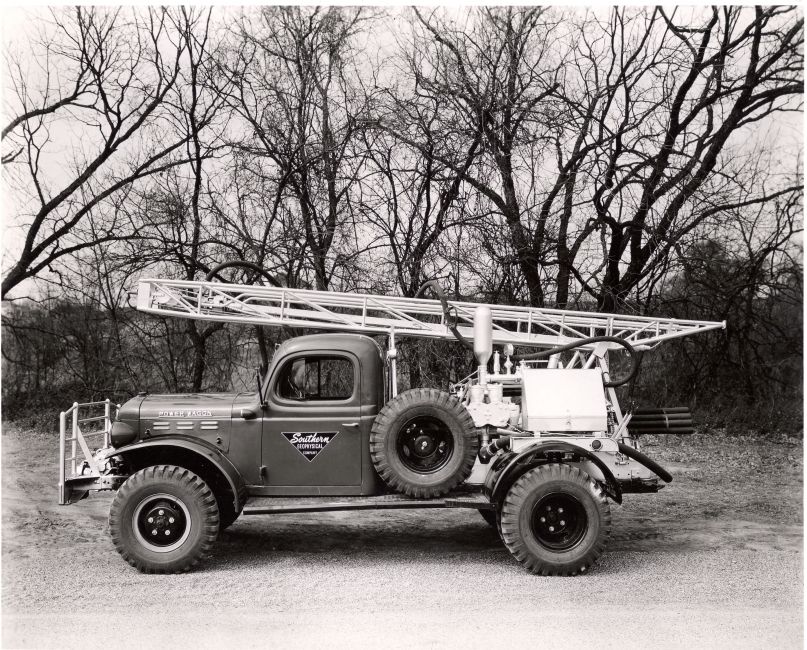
column 556, row 520
column 164, row 519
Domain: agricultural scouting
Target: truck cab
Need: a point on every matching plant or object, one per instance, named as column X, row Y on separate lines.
column 318, row 402
column 304, row 433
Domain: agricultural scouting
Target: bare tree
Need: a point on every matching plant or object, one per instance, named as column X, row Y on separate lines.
column 624, row 159
column 198, row 107
column 292, row 71
column 124, row 65
column 717, row 76
column 597, row 99
column 410, row 199
column 496, row 78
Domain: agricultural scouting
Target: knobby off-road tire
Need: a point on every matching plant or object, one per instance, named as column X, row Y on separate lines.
column 556, row 520
column 424, row 443
column 164, row 519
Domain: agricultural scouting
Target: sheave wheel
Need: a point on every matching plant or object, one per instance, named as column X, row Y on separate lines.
column 424, row 443
column 164, row 519
column 556, row 520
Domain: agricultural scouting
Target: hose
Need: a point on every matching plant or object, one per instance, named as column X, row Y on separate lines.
column 634, row 355
column 489, row 451
column 450, row 322
column 242, row 263
column 635, row 358
column 648, row 462
column 271, row 279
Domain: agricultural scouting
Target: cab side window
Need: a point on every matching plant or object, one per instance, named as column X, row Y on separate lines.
column 316, row 378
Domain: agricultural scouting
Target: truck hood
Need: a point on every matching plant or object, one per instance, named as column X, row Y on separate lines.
column 204, row 416
column 187, row 406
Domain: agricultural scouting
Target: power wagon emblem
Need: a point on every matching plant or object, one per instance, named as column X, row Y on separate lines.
column 310, row 444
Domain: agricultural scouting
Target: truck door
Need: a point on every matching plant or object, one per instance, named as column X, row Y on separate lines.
column 312, row 431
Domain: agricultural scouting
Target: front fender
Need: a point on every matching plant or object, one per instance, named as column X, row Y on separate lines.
column 173, row 446
column 509, row 467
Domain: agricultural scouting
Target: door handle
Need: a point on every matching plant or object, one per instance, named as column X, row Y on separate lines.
column 352, row 425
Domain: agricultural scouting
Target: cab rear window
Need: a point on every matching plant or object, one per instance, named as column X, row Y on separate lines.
column 316, row 378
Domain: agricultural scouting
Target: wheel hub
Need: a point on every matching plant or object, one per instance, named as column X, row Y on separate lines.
column 424, row 444
column 165, row 523
column 559, row 521
column 161, row 522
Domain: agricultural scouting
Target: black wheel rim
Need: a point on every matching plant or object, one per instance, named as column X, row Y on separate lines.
column 424, row 444
column 161, row 522
column 559, row 521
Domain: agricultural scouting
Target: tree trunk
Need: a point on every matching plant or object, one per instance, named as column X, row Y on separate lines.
column 199, row 343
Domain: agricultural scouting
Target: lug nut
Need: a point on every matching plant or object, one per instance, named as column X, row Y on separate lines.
column 159, row 512
column 543, row 520
column 170, row 520
column 151, row 520
column 560, row 510
column 551, row 529
column 154, row 532
column 168, row 532
column 562, row 523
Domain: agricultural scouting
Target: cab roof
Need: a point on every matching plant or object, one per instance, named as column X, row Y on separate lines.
column 358, row 344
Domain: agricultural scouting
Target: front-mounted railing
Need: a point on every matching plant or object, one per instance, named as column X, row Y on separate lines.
column 89, row 426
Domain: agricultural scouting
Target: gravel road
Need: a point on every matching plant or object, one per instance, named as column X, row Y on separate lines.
column 675, row 576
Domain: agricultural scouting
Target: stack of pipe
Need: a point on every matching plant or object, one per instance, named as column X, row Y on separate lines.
column 677, row 420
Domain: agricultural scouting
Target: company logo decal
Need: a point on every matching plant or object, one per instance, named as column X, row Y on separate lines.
column 309, row 444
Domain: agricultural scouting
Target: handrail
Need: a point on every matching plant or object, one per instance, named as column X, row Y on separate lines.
column 76, row 404
column 95, row 419
column 77, row 440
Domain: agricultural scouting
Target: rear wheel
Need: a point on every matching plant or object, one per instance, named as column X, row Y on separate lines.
column 424, row 443
column 164, row 519
column 556, row 520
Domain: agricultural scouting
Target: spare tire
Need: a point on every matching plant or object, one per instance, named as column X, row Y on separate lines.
column 424, row 443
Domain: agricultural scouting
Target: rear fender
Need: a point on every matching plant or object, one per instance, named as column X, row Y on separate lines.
column 509, row 467
column 207, row 461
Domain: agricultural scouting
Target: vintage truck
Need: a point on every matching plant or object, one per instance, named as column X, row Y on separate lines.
column 536, row 442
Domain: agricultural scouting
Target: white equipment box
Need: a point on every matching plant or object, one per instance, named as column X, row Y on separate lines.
column 563, row 400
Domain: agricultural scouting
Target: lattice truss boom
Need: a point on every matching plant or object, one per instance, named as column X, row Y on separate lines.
column 410, row 317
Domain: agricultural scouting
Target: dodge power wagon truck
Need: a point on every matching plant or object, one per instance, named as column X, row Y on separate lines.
column 536, row 442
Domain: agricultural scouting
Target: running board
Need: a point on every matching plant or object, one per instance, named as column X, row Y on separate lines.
column 286, row 505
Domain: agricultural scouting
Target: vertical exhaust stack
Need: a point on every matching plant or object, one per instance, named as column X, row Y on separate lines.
column 483, row 340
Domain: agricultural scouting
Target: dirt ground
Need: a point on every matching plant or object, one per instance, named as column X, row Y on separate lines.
column 714, row 560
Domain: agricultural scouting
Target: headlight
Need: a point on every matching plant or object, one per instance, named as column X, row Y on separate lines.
column 122, row 433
